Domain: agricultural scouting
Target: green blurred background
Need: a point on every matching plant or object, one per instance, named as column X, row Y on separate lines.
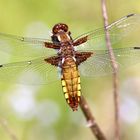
column 40, row 112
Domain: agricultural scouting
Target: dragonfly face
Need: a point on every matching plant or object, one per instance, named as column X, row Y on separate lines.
column 60, row 33
column 85, row 55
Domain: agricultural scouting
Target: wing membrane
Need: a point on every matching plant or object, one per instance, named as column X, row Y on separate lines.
column 124, row 30
column 32, row 72
column 23, row 47
column 100, row 64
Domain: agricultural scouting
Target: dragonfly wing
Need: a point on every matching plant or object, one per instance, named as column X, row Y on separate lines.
column 24, row 47
column 99, row 64
column 34, row 72
column 122, row 31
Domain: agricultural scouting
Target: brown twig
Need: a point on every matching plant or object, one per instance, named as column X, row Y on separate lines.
column 91, row 120
column 115, row 68
column 4, row 124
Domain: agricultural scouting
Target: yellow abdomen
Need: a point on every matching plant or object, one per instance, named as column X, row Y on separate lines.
column 71, row 83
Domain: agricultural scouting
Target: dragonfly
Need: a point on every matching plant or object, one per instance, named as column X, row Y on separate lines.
column 70, row 58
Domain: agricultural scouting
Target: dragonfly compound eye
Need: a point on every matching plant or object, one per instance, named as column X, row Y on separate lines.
column 59, row 27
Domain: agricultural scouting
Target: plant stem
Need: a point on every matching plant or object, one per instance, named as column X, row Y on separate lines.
column 4, row 125
column 91, row 120
column 115, row 68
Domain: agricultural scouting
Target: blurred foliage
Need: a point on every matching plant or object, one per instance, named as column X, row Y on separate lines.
column 40, row 112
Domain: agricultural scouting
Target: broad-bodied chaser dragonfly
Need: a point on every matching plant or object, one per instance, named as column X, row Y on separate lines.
column 85, row 55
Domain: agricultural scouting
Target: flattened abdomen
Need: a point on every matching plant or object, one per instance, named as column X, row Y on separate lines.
column 71, row 83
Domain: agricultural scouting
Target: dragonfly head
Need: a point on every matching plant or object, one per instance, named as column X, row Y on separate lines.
column 60, row 27
column 60, row 33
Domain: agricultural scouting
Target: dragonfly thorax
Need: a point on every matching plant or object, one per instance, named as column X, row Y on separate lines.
column 66, row 50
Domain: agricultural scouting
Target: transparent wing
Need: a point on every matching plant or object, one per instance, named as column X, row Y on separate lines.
column 23, row 47
column 32, row 72
column 125, row 30
column 100, row 64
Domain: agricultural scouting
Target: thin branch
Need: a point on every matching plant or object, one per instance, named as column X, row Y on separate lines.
column 115, row 68
column 4, row 124
column 91, row 120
